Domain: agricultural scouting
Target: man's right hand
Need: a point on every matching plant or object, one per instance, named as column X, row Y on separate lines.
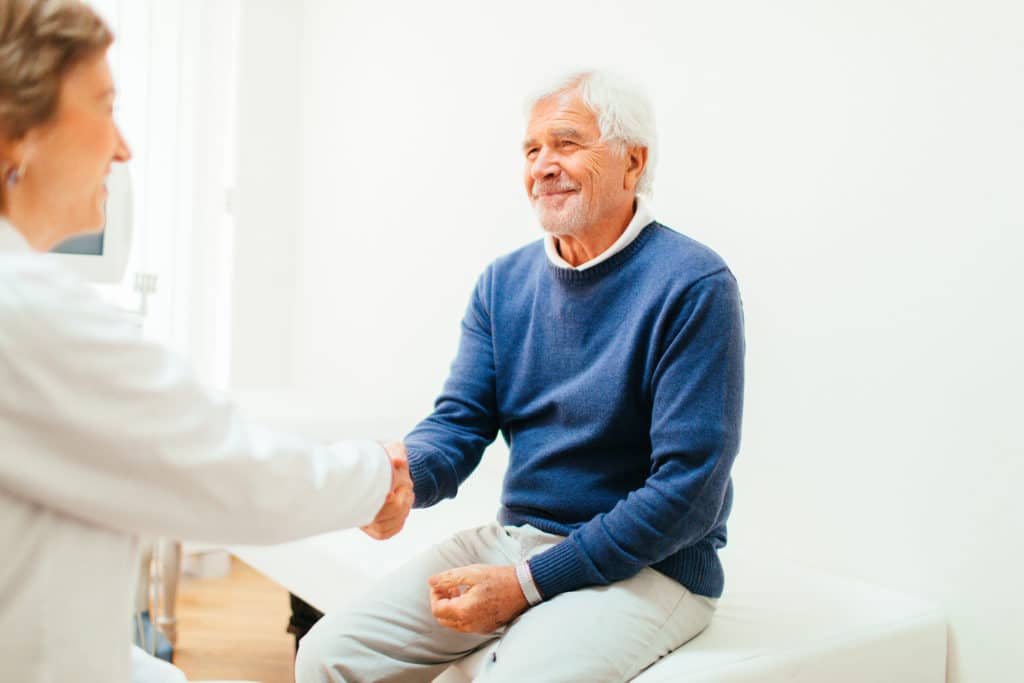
column 391, row 517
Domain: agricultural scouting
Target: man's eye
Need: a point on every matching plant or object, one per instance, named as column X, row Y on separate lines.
column 532, row 152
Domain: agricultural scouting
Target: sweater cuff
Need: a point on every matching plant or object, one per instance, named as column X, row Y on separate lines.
column 559, row 569
column 424, row 485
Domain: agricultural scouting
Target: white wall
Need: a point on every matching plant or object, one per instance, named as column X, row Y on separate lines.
column 859, row 164
column 267, row 194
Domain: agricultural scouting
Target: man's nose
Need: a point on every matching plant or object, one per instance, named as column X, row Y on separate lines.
column 545, row 165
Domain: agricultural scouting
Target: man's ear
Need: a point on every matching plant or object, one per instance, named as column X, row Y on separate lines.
column 636, row 162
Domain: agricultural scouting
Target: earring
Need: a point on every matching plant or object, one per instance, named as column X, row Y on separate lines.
column 14, row 175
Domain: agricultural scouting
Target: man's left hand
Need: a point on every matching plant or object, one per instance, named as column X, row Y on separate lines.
column 476, row 599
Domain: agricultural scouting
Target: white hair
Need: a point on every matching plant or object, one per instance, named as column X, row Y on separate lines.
column 623, row 110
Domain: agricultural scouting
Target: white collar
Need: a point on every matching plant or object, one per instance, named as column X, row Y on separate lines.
column 643, row 216
column 12, row 241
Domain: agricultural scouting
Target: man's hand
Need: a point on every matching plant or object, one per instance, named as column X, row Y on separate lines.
column 391, row 517
column 476, row 599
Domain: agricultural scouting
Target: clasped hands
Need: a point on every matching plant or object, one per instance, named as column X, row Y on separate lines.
column 473, row 599
column 392, row 515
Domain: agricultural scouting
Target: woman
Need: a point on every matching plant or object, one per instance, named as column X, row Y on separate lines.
column 104, row 438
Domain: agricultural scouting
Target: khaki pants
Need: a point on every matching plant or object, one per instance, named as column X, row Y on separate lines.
column 606, row 633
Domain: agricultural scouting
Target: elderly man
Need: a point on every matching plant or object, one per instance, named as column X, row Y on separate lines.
column 610, row 357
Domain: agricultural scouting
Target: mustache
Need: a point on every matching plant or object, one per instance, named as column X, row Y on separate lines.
column 553, row 186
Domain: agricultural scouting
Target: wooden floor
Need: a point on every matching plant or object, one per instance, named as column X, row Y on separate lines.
column 234, row 628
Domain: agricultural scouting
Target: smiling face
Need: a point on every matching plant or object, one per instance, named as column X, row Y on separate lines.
column 68, row 159
column 575, row 180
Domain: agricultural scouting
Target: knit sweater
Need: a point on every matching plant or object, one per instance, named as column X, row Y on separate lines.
column 619, row 392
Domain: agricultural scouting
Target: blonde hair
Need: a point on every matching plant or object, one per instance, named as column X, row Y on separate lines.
column 40, row 41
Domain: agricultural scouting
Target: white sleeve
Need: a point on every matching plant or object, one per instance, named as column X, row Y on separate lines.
column 115, row 431
column 148, row 669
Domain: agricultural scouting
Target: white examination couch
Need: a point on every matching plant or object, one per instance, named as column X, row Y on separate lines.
column 776, row 622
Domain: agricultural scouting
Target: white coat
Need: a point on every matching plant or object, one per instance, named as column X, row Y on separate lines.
column 103, row 438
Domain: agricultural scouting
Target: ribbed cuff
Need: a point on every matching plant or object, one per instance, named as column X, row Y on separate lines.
column 559, row 569
column 424, row 485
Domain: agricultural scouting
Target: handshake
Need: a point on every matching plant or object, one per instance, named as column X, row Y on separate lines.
column 391, row 517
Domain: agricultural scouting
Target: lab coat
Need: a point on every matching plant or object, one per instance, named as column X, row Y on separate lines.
column 105, row 438
column 148, row 669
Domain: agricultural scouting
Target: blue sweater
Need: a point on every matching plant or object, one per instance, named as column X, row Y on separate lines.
column 619, row 391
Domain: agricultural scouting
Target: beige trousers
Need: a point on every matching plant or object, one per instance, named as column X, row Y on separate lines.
column 606, row 633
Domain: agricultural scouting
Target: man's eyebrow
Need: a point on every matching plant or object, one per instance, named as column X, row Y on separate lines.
column 567, row 132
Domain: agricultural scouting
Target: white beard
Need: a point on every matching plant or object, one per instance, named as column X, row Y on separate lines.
column 572, row 219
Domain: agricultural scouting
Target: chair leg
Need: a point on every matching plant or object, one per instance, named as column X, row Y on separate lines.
column 303, row 617
column 166, row 574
